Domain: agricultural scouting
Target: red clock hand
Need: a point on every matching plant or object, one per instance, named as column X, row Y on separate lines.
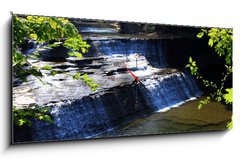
column 135, row 77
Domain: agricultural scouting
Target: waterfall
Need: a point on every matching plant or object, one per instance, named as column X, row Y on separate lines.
column 153, row 50
column 32, row 46
column 97, row 30
column 172, row 90
column 87, row 115
column 92, row 115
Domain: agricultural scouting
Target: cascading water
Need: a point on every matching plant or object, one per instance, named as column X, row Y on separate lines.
column 32, row 46
column 153, row 50
column 97, row 30
column 79, row 113
column 172, row 90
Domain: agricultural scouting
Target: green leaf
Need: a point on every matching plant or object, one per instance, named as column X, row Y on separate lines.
column 194, row 63
column 79, row 55
column 17, row 58
column 24, row 116
column 35, row 72
column 200, row 35
column 76, row 76
column 218, row 99
column 34, row 56
column 230, row 124
column 210, row 42
column 53, row 72
column 190, row 60
column 23, row 78
column 71, row 53
column 76, row 43
column 84, row 50
column 228, row 96
column 33, row 36
column 21, row 122
column 200, row 106
column 188, row 65
column 46, row 67
column 51, row 46
column 93, row 89
column 203, row 102
column 47, row 118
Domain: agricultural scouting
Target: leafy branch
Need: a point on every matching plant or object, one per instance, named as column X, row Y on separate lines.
column 90, row 82
column 221, row 41
column 24, row 116
column 42, row 30
column 50, row 32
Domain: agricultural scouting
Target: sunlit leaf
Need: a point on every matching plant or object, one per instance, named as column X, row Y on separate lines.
column 228, row 96
column 71, row 53
column 21, row 122
column 46, row 67
column 53, row 72
column 210, row 42
column 76, row 76
column 200, row 35
column 190, row 59
column 79, row 55
column 34, row 56
column 230, row 124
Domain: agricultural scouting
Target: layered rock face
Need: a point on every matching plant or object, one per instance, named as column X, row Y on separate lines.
column 77, row 111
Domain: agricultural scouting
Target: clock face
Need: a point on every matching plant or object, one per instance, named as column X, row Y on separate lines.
column 125, row 79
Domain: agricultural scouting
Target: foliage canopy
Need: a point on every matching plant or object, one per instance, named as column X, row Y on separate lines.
column 51, row 32
column 221, row 41
column 43, row 30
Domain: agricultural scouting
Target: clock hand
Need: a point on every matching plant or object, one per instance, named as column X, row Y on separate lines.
column 134, row 84
column 144, row 87
column 129, row 90
column 135, row 77
column 137, row 80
